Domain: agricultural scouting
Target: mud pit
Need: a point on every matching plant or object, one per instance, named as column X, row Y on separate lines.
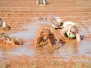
column 26, row 20
column 67, row 52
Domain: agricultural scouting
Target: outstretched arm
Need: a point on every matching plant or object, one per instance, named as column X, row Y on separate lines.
column 38, row 37
column 78, row 38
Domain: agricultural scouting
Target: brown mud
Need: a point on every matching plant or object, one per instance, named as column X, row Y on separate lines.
column 25, row 18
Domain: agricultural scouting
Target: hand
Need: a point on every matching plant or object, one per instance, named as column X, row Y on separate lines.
column 55, row 46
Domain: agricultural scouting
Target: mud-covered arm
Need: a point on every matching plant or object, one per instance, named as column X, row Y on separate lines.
column 37, row 39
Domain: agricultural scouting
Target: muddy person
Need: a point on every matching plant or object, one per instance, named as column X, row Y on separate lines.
column 69, row 30
column 46, row 36
column 3, row 25
column 57, row 26
column 41, row 2
column 11, row 41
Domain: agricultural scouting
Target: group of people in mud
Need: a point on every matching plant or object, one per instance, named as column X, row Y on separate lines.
column 59, row 31
column 6, row 39
column 50, row 35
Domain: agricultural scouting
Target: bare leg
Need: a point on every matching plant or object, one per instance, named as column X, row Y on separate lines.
column 37, row 2
column 44, row 2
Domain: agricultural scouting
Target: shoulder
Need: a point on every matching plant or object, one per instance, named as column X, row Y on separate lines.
column 52, row 30
column 66, row 28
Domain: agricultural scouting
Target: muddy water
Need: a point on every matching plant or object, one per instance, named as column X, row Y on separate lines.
column 66, row 50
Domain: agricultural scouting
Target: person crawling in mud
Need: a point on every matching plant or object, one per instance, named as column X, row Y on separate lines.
column 3, row 25
column 68, row 29
column 11, row 41
column 46, row 36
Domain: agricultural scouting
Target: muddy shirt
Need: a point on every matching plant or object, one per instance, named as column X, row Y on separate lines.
column 68, row 32
column 70, row 35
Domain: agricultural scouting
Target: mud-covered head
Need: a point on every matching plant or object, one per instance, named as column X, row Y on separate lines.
column 56, row 22
column 46, row 32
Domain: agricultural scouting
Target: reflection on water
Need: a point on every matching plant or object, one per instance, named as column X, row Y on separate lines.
column 69, row 49
column 65, row 50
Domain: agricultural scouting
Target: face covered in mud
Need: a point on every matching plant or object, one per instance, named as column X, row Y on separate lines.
column 45, row 33
column 55, row 24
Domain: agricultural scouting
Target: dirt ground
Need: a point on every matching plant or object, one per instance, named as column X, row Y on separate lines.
column 25, row 18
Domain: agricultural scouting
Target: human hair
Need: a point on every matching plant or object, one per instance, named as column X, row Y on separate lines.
column 75, row 27
column 46, row 31
column 4, row 35
column 53, row 20
column 55, row 25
